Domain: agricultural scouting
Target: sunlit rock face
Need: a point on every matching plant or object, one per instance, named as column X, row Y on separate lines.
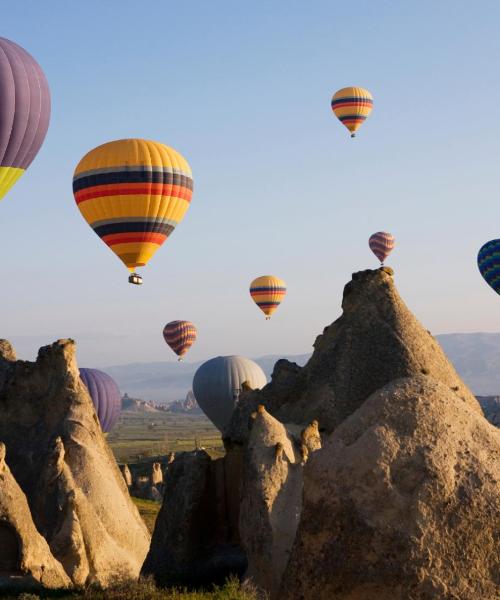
column 57, row 453
column 368, row 473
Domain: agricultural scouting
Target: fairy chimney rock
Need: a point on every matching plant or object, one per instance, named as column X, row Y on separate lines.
column 78, row 500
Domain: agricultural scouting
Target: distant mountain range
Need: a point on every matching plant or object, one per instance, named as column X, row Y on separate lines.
column 476, row 357
column 166, row 382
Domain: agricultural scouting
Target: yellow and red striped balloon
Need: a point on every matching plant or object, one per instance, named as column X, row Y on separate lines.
column 180, row 336
column 133, row 193
column 267, row 292
column 351, row 106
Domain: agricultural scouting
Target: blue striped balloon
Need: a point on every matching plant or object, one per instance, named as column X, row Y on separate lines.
column 488, row 261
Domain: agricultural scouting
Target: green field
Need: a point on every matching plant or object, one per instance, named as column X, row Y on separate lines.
column 138, row 436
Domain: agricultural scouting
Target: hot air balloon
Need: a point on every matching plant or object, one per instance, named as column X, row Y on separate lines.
column 351, row 106
column 488, row 261
column 180, row 336
column 218, row 382
column 381, row 244
column 105, row 397
column 267, row 292
column 133, row 193
column 24, row 112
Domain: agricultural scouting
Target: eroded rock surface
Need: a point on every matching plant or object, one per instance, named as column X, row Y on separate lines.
column 369, row 473
column 403, row 502
column 194, row 542
column 78, row 499
column 25, row 556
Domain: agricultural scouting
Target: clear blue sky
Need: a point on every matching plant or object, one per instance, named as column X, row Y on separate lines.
column 242, row 90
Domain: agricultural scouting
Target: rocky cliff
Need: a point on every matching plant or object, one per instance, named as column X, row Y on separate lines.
column 57, row 454
column 370, row 472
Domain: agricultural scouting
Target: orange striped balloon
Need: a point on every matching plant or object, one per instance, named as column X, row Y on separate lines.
column 351, row 106
column 381, row 244
column 267, row 292
column 180, row 336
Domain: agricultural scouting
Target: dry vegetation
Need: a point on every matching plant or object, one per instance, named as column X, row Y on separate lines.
column 143, row 590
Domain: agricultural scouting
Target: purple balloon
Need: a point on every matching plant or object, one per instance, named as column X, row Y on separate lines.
column 24, row 106
column 105, row 397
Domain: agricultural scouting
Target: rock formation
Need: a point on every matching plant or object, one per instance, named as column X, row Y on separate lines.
column 272, row 500
column 126, row 474
column 57, row 453
column 25, row 557
column 156, row 477
column 368, row 473
column 195, row 540
column 402, row 502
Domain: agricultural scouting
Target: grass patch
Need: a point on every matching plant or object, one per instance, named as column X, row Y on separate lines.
column 148, row 509
column 144, row 590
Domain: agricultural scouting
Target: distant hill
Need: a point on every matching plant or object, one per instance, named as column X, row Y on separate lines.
column 166, row 382
column 476, row 357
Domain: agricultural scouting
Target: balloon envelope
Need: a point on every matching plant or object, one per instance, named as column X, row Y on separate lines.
column 217, row 385
column 105, row 397
column 133, row 193
column 180, row 336
column 488, row 261
column 267, row 292
column 351, row 106
column 381, row 244
column 24, row 112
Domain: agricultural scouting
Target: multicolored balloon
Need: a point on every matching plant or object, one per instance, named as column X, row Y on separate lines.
column 218, row 382
column 133, row 193
column 488, row 261
column 105, row 397
column 381, row 244
column 267, row 292
column 180, row 336
column 351, row 106
column 24, row 112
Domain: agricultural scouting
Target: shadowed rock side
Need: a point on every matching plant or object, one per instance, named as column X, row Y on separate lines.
column 376, row 340
column 402, row 503
column 195, row 541
column 25, row 557
column 57, row 453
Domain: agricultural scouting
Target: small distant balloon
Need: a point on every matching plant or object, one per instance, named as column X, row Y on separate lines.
column 180, row 336
column 381, row 244
column 218, row 382
column 488, row 261
column 105, row 397
column 351, row 106
column 24, row 112
column 267, row 292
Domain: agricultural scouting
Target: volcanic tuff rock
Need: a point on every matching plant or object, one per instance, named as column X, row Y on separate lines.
column 370, row 473
column 25, row 556
column 195, row 540
column 271, row 498
column 376, row 340
column 402, row 503
column 57, row 453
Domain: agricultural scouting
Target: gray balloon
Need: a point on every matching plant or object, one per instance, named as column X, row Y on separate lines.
column 217, row 385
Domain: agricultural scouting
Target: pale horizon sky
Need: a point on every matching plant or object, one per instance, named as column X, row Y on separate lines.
column 243, row 91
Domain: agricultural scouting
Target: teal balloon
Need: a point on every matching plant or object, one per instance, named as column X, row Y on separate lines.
column 488, row 262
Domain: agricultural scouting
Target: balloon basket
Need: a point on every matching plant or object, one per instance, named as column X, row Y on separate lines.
column 353, row 135
column 180, row 359
column 135, row 279
column 268, row 318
